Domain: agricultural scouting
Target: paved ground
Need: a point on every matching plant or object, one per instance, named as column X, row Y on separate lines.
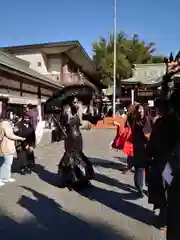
column 33, row 208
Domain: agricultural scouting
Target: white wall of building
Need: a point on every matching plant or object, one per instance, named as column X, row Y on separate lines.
column 44, row 64
column 49, row 65
column 54, row 64
column 37, row 61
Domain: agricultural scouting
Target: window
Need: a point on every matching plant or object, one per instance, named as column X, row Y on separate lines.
column 39, row 64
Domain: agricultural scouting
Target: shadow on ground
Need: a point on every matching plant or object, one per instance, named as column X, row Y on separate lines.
column 109, row 164
column 117, row 201
column 132, row 192
column 51, row 222
column 114, row 200
column 52, row 179
column 45, row 175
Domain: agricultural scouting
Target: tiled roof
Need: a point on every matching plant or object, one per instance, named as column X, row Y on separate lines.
column 130, row 81
column 22, row 66
column 144, row 81
column 147, row 74
column 71, row 48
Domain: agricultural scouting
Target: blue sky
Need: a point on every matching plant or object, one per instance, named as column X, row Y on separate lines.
column 37, row 21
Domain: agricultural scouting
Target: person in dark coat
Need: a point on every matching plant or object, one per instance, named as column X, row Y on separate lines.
column 140, row 142
column 173, row 194
column 156, row 193
column 32, row 113
column 25, row 150
column 173, row 208
column 165, row 133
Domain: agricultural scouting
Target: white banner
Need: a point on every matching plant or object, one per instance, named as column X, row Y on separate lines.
column 40, row 126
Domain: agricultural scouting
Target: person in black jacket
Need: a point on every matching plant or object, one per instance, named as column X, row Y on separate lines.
column 140, row 142
column 165, row 134
column 25, row 150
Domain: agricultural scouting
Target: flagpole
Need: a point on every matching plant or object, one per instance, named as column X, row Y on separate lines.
column 114, row 72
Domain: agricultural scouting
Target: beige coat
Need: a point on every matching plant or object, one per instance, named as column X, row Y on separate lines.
column 7, row 139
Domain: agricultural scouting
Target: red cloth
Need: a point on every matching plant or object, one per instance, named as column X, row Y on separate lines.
column 123, row 141
column 128, row 145
column 118, row 142
column 148, row 135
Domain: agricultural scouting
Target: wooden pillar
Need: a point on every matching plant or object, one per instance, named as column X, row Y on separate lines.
column 39, row 92
column 132, row 96
column 63, row 60
column 3, row 107
column 42, row 111
column 21, row 89
column 80, row 76
column 39, row 104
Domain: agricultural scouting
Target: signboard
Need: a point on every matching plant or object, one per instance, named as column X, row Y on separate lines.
column 145, row 93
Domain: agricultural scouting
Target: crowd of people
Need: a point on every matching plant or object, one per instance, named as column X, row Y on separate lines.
column 17, row 138
column 151, row 144
column 150, row 141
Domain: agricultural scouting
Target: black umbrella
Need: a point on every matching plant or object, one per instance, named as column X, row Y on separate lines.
column 66, row 94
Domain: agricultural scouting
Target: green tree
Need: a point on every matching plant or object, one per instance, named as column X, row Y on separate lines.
column 103, row 55
column 157, row 59
column 129, row 51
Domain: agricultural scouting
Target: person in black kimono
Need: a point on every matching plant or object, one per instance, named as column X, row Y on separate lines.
column 75, row 170
column 25, row 150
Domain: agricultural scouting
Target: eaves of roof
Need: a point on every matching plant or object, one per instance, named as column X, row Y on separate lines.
column 13, row 64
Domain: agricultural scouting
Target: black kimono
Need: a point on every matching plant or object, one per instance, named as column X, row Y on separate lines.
column 25, row 151
column 74, row 167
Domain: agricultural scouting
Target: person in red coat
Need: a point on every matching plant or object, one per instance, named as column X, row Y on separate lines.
column 128, row 144
column 123, row 141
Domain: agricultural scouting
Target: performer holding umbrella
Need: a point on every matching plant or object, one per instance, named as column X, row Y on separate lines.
column 75, row 170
